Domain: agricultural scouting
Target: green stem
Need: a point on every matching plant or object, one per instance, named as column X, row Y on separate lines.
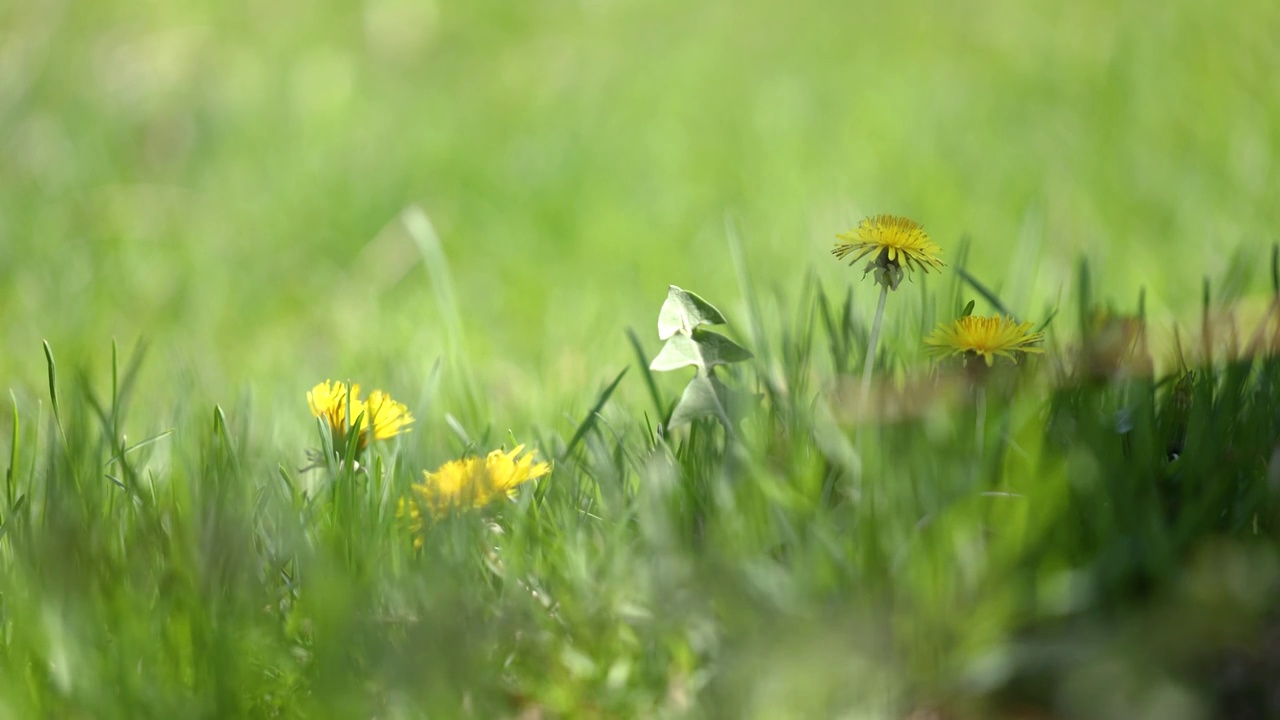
column 980, row 431
column 871, row 347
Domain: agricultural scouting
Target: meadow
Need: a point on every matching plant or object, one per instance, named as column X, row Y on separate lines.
column 520, row 224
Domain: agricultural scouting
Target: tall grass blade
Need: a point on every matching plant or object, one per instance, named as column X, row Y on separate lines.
column 837, row 334
column 53, row 384
column 745, row 286
column 1084, row 299
column 115, row 388
column 423, row 233
column 1206, row 329
column 1275, row 268
column 14, row 508
column 985, row 292
column 650, row 382
column 9, row 479
column 137, row 446
column 590, row 420
column 1047, row 320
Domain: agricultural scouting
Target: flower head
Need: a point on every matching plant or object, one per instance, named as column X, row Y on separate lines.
column 342, row 409
column 385, row 416
column 475, row 482
column 895, row 241
column 985, row 336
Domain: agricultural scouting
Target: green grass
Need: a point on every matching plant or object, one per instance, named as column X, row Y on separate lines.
column 478, row 207
column 983, row 551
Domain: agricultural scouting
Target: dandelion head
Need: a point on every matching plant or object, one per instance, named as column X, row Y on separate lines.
column 475, row 482
column 407, row 511
column 896, row 244
column 341, row 408
column 985, row 336
column 386, row 417
column 512, row 469
column 338, row 405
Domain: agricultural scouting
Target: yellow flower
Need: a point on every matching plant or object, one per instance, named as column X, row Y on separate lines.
column 896, row 241
column 337, row 405
column 387, row 417
column 476, row 482
column 345, row 413
column 407, row 507
column 985, row 336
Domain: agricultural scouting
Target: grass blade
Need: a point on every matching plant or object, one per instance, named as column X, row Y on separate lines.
column 138, row 445
column 53, row 383
column 589, row 421
column 985, row 292
column 14, row 510
column 1084, row 298
column 650, row 383
column 1275, row 268
column 745, row 286
column 10, row 484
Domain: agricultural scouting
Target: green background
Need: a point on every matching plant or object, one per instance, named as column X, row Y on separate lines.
column 225, row 178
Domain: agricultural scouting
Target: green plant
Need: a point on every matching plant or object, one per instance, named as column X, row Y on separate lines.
column 688, row 344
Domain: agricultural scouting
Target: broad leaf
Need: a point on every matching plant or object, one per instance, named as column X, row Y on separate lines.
column 683, row 311
column 703, row 350
column 680, row 351
column 718, row 349
column 706, row 396
column 703, row 397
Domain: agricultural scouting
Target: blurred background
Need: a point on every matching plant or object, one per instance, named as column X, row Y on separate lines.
column 227, row 179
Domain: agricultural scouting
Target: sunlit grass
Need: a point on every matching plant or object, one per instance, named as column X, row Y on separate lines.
column 783, row 559
column 477, row 207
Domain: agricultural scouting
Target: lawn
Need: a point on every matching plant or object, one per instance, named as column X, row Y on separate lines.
column 208, row 209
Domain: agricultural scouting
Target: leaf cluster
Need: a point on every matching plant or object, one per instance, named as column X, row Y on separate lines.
column 689, row 344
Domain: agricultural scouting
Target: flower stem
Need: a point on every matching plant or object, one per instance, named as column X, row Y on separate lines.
column 980, row 431
column 871, row 347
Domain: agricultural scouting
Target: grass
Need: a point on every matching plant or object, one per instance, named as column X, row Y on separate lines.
column 478, row 206
column 974, row 553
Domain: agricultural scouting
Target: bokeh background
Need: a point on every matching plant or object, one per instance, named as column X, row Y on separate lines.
column 227, row 179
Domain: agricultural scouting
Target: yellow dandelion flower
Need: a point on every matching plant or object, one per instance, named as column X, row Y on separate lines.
column 476, row 482
column 337, row 405
column 408, row 508
column 985, row 336
column 387, row 417
column 343, row 410
column 896, row 242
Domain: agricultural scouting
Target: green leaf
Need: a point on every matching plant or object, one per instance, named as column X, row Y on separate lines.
column 683, row 311
column 680, row 351
column 718, row 349
column 706, row 396
column 703, row 397
column 703, row 350
column 968, row 309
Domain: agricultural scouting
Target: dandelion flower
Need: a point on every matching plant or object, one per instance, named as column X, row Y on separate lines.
column 408, row 508
column 337, row 405
column 341, row 408
column 895, row 241
column 985, row 336
column 387, row 417
column 476, row 482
